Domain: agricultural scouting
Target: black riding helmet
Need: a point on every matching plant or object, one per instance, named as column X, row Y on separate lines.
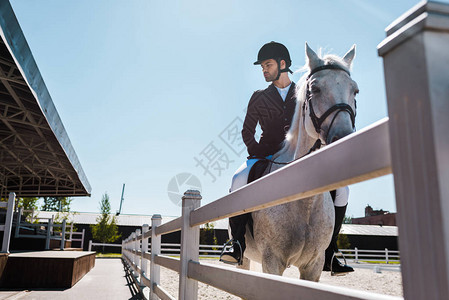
column 276, row 51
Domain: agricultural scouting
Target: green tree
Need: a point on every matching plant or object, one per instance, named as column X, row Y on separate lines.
column 59, row 204
column 207, row 236
column 347, row 220
column 106, row 229
column 343, row 242
column 27, row 203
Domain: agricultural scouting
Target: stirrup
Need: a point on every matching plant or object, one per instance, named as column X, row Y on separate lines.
column 331, row 264
column 236, row 242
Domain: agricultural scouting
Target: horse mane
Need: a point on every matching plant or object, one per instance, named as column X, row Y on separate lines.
column 292, row 136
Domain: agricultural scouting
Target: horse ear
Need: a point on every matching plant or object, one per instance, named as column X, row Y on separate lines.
column 350, row 55
column 312, row 58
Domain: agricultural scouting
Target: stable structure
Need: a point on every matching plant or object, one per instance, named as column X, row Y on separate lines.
column 412, row 144
column 36, row 155
column 36, row 159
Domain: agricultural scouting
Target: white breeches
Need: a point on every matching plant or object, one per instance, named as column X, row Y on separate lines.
column 341, row 196
column 240, row 177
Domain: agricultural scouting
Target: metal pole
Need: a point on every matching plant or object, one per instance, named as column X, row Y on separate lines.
column 416, row 63
column 8, row 223
column 90, row 246
column 190, row 240
column 155, row 269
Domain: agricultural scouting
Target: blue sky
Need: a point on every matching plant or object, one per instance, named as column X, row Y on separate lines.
column 145, row 87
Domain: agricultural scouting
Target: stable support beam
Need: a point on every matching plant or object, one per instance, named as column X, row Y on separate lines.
column 190, row 240
column 416, row 62
column 8, row 223
column 155, row 269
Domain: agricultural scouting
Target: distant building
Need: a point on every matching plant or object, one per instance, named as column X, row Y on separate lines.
column 376, row 217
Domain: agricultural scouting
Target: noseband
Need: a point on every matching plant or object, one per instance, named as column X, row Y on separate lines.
column 340, row 107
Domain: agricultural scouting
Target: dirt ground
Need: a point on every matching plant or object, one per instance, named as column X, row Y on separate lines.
column 385, row 282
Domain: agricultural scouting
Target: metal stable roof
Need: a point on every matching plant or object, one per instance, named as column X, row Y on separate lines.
column 36, row 155
column 358, row 229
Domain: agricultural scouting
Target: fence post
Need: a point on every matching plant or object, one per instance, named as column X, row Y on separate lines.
column 82, row 238
column 356, row 255
column 143, row 260
column 71, row 231
column 90, row 246
column 133, row 248
column 416, row 67
column 190, row 240
column 63, row 235
column 155, row 269
column 138, row 261
column 18, row 220
column 8, row 223
column 386, row 255
column 49, row 227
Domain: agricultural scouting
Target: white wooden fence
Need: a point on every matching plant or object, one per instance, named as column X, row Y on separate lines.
column 6, row 228
column 45, row 230
column 416, row 64
column 213, row 251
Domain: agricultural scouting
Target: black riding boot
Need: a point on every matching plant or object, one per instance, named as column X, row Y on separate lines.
column 238, row 229
column 332, row 263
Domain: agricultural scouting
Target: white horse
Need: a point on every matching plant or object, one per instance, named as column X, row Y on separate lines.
column 298, row 233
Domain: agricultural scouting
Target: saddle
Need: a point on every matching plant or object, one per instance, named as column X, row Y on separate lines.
column 258, row 170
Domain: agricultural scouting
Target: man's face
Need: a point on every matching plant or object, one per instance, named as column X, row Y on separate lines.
column 269, row 69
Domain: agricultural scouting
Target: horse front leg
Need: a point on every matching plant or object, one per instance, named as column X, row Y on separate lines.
column 246, row 264
column 312, row 271
column 272, row 264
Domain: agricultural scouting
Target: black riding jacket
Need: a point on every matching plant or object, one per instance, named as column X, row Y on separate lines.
column 274, row 115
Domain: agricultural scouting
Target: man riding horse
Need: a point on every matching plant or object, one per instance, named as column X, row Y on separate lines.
column 273, row 108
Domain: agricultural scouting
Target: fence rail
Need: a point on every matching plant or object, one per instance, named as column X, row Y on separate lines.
column 213, row 251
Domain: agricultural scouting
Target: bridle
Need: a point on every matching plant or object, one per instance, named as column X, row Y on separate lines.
column 339, row 107
column 318, row 121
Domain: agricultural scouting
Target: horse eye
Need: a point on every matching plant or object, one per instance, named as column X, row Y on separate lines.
column 314, row 89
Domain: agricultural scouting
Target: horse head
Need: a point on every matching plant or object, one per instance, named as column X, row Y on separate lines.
column 329, row 105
